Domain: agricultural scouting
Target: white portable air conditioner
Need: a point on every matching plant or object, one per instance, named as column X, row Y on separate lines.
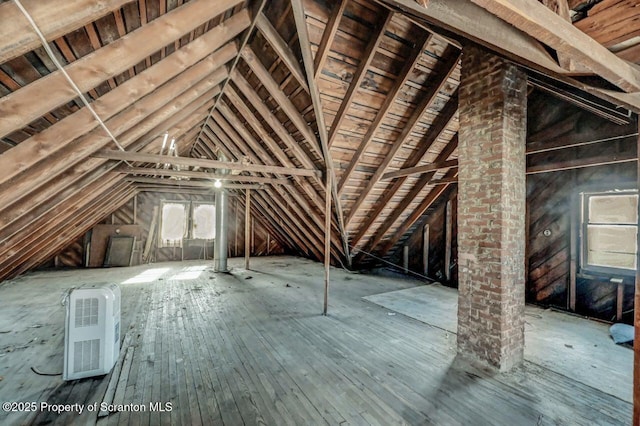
column 92, row 331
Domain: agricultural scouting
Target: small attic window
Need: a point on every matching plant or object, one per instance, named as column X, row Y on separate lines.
column 173, row 227
column 609, row 232
column 204, row 221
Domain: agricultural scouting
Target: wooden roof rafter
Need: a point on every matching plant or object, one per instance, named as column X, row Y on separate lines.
column 450, row 64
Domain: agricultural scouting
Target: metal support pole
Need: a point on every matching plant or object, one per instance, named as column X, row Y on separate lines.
column 247, row 221
column 220, row 252
column 327, row 242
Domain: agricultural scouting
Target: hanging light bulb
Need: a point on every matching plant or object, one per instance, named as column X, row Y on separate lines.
column 217, row 183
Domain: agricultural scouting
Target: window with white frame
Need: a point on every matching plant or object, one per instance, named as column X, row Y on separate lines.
column 184, row 219
column 173, row 224
column 609, row 232
column 203, row 224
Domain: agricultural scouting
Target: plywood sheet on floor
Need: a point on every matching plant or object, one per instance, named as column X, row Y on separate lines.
column 572, row 346
column 251, row 347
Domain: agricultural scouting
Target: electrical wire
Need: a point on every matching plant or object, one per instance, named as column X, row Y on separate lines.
column 391, row 264
column 58, row 65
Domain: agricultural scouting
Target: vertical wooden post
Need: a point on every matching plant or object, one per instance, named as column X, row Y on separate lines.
column 425, row 250
column 135, row 209
column 237, row 212
column 448, row 237
column 636, row 320
column 327, row 241
column 247, row 221
column 619, row 301
column 268, row 242
column 405, row 259
column 573, row 241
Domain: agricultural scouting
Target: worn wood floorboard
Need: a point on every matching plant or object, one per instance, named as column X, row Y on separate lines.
column 251, row 348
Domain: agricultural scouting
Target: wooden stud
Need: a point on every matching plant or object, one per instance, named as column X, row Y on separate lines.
column 448, row 228
column 405, row 259
column 425, row 250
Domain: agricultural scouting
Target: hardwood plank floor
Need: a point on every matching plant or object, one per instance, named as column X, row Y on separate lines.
column 251, row 347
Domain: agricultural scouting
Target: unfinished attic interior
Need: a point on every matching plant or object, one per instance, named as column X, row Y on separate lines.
column 319, row 212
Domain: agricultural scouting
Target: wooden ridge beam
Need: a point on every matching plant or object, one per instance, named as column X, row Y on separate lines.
column 282, row 49
column 172, row 75
column 539, row 22
column 358, row 77
column 54, row 18
column 330, row 175
column 21, row 107
column 201, row 175
column 436, row 129
column 409, row 64
column 198, row 162
column 449, row 66
column 328, row 35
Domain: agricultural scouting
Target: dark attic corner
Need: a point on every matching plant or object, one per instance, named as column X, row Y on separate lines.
column 319, row 212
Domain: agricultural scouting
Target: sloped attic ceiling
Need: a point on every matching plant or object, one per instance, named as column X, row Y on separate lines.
column 353, row 89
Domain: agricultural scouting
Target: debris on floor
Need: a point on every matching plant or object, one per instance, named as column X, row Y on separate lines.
column 621, row 333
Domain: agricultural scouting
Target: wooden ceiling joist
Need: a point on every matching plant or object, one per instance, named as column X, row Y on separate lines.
column 204, row 163
column 190, row 183
column 201, row 175
column 292, row 216
column 21, row 107
column 409, row 198
column 54, row 18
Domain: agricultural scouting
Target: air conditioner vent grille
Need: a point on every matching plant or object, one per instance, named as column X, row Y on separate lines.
column 86, row 312
column 86, row 355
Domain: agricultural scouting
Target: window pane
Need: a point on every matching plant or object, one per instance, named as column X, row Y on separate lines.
column 612, row 246
column 174, row 221
column 204, row 221
column 613, row 209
